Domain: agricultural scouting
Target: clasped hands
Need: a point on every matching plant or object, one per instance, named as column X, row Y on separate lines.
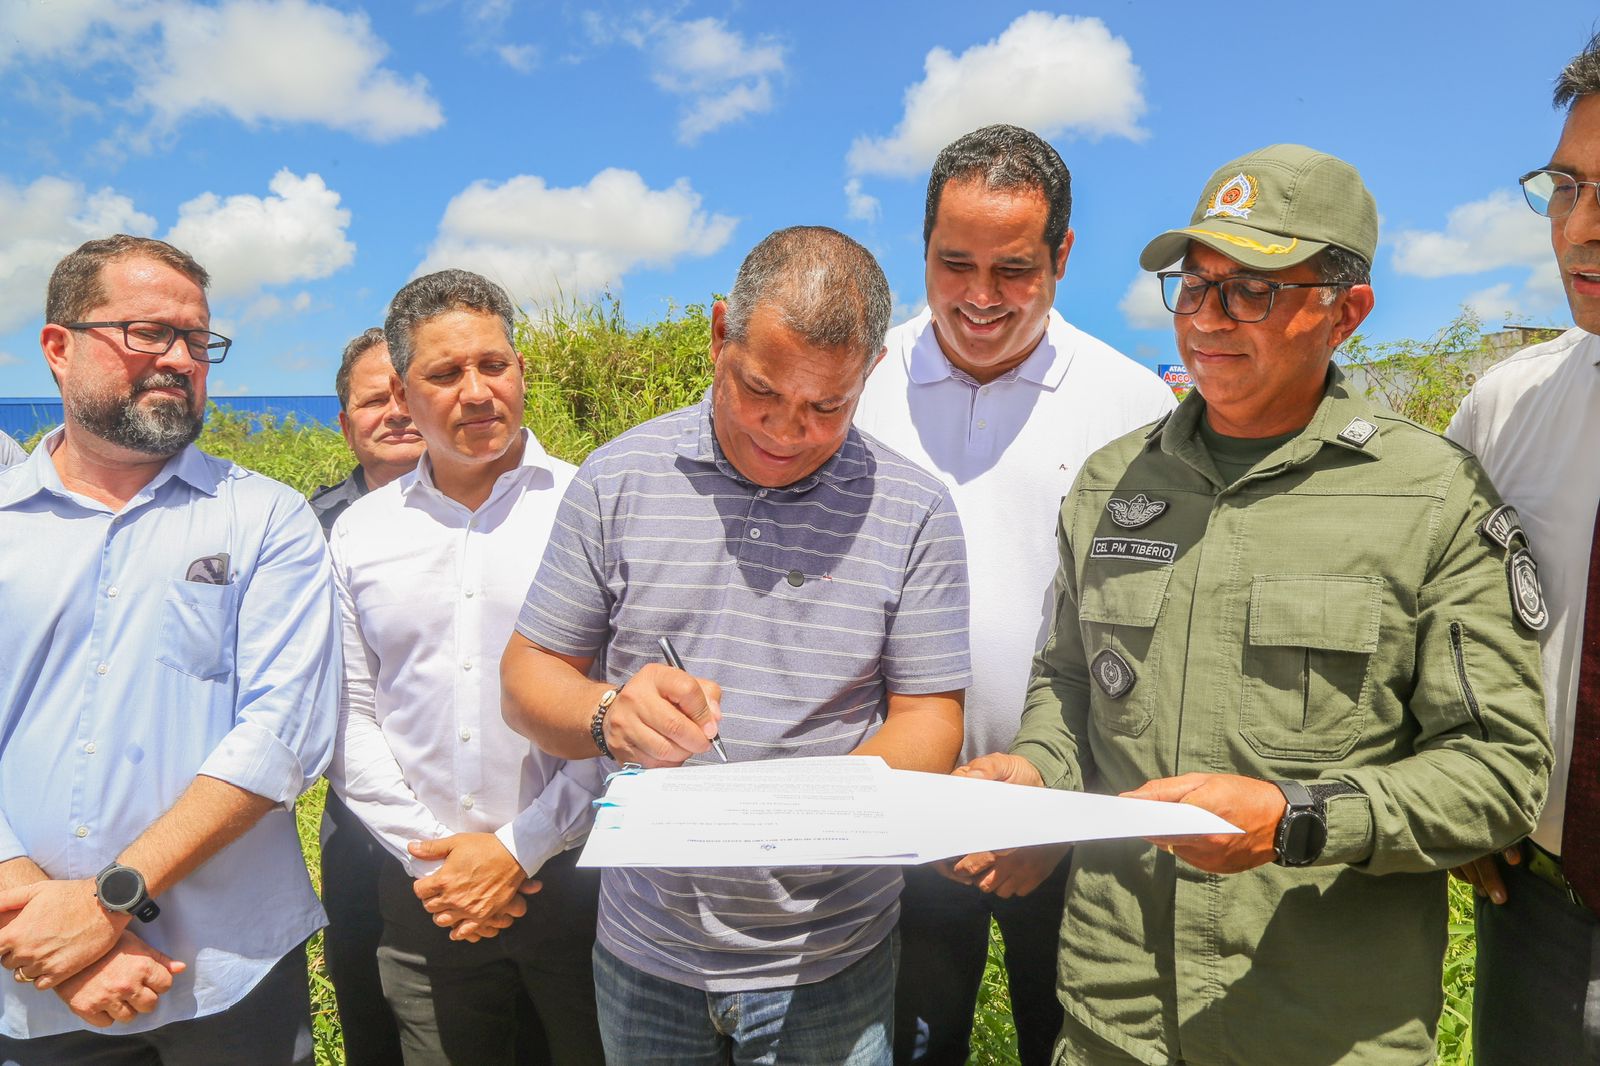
column 1254, row 805
column 479, row 890
column 56, row 936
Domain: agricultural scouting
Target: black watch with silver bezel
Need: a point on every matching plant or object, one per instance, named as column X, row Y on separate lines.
column 122, row 888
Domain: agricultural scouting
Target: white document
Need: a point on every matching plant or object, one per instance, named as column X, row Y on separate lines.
column 850, row 810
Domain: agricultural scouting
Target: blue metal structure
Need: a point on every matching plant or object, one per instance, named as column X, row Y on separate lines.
column 23, row 416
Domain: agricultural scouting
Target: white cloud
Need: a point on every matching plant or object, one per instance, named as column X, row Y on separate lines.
column 1497, row 231
column 521, row 58
column 43, row 222
column 1141, row 304
column 861, row 206
column 541, row 242
column 7, row 359
column 227, row 390
column 294, row 61
column 1053, row 74
column 723, row 75
column 247, row 242
column 269, row 305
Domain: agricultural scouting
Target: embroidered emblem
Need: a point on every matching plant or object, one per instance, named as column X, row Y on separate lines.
column 1235, row 199
column 1502, row 526
column 209, row 570
column 1527, row 598
column 1139, row 511
column 1112, row 673
column 1142, row 551
column 1358, row 432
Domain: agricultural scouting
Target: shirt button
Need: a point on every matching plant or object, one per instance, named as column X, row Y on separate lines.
column 88, row 749
column 466, row 664
column 761, row 492
column 466, row 803
column 111, row 593
column 466, row 734
column 983, row 424
column 755, row 534
column 469, row 594
column 82, row 831
column 101, row 669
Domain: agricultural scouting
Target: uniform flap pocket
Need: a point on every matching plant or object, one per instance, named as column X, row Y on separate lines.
column 1124, row 599
column 1336, row 612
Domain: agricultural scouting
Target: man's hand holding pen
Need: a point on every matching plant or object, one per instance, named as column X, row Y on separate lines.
column 662, row 716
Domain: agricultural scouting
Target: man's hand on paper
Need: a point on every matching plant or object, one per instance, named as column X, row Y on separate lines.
column 1011, row 871
column 1255, row 806
column 480, row 888
column 1484, row 874
column 1008, row 872
column 663, row 716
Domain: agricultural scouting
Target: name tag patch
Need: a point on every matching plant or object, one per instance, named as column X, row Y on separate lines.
column 1502, row 526
column 1140, row 551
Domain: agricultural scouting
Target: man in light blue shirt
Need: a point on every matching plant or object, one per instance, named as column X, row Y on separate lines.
column 168, row 689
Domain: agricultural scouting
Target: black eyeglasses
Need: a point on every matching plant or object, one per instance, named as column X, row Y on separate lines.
column 157, row 338
column 1244, row 299
column 1552, row 193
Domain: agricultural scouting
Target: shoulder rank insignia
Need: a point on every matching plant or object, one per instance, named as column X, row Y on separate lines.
column 1112, row 673
column 1358, row 432
column 1527, row 598
column 1502, row 526
column 1131, row 514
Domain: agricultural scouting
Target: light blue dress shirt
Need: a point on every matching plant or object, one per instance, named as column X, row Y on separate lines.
column 121, row 679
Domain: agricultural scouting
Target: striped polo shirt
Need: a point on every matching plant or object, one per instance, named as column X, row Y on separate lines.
column 808, row 604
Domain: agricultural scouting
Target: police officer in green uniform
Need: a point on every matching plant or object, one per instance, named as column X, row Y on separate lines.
column 1296, row 609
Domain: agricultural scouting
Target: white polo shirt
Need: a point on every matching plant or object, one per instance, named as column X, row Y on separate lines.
column 1009, row 452
column 1534, row 421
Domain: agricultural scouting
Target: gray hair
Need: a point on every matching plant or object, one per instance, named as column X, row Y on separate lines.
column 367, row 340
column 1580, row 77
column 76, row 287
column 438, row 294
column 1005, row 157
column 827, row 287
column 1337, row 265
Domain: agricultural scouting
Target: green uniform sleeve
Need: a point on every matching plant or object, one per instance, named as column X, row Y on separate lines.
column 1053, row 735
column 1480, row 763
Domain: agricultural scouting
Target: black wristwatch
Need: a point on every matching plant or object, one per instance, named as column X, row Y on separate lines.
column 1303, row 830
column 122, row 888
column 597, row 724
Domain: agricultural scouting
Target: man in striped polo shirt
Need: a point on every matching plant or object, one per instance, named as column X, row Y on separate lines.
column 815, row 584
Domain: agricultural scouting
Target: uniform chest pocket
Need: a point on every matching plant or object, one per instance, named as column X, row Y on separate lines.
column 198, row 626
column 1119, row 612
column 1309, row 643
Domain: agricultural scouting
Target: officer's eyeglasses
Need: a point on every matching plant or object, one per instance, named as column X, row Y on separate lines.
column 1244, row 299
column 157, row 338
column 1552, row 193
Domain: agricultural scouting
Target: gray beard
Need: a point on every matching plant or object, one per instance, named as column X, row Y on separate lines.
column 163, row 429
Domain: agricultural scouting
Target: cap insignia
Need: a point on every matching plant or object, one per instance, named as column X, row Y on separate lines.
column 1235, row 199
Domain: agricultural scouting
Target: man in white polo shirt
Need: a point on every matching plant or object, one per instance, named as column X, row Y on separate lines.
column 431, row 570
column 1003, row 399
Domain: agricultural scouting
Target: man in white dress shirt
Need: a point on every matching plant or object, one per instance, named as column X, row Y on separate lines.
column 478, row 958
column 996, row 393
column 1534, row 420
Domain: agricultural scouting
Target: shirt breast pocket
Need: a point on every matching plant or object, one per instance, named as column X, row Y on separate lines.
column 1120, row 612
column 1308, row 646
column 197, row 629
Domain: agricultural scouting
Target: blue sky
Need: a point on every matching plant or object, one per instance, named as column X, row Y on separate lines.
column 316, row 154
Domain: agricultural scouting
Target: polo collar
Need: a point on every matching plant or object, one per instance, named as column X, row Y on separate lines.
column 1046, row 366
column 697, row 441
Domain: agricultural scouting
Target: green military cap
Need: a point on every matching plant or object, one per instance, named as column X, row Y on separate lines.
column 1276, row 207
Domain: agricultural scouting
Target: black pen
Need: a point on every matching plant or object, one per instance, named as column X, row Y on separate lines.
column 669, row 653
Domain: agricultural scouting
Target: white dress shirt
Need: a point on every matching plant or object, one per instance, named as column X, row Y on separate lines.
column 429, row 593
column 1534, row 421
column 1009, row 452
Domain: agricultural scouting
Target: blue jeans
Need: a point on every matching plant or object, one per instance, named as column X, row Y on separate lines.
column 843, row 1020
